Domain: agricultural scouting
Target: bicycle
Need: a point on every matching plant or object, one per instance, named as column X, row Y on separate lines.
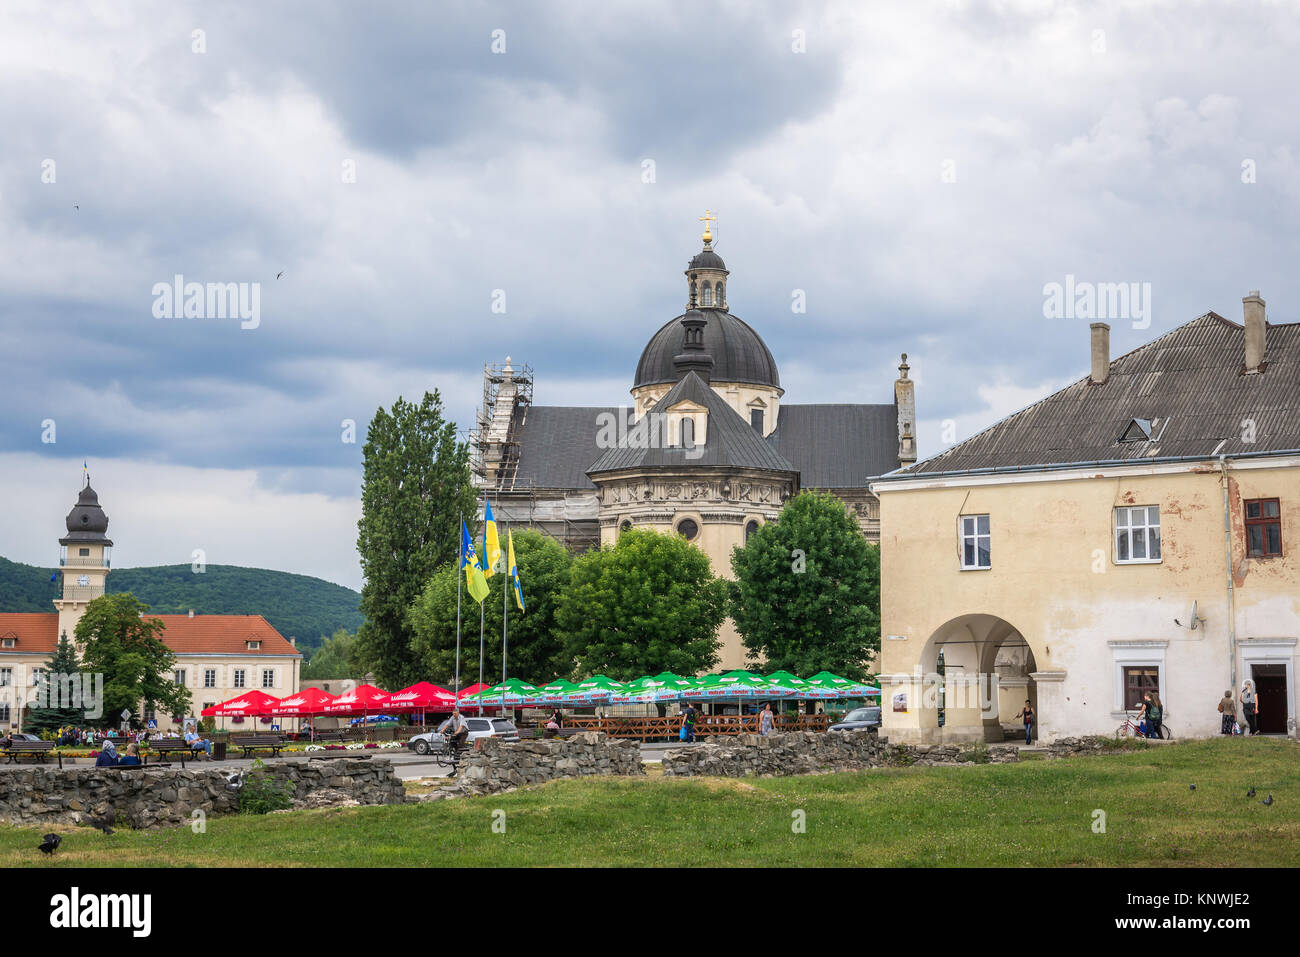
column 1131, row 727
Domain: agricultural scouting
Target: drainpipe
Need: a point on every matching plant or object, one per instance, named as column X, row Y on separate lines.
column 1232, row 593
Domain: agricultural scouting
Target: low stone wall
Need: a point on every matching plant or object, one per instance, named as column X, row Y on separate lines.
column 808, row 752
column 1089, row 744
column 498, row 765
column 34, row 796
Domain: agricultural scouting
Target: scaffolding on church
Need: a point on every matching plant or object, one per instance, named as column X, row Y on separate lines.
column 494, row 442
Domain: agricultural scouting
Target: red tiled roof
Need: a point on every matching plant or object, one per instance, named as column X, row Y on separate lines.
column 200, row 635
column 36, row 632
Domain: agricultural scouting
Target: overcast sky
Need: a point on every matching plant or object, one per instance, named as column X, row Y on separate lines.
column 920, row 171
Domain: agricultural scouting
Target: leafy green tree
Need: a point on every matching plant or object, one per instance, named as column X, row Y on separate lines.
column 415, row 488
column 650, row 603
column 536, row 651
column 335, row 658
column 127, row 649
column 50, row 690
column 806, row 595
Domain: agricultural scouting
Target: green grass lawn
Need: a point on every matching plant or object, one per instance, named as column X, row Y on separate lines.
column 1036, row 813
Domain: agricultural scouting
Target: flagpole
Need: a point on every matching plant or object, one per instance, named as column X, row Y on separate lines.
column 460, row 573
column 505, row 594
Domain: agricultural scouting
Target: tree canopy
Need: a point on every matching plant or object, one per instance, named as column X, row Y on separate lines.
column 335, row 658
column 536, row 650
column 415, row 488
column 806, row 595
column 126, row 648
column 647, row 604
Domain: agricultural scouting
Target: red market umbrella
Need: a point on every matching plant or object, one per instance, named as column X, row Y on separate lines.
column 421, row 696
column 363, row 699
column 248, row 704
column 305, row 703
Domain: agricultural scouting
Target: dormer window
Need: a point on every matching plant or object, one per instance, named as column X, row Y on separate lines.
column 1138, row 430
column 756, row 420
column 688, row 433
column 253, row 645
column 9, row 642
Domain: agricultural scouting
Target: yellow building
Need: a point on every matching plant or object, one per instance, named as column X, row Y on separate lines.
column 1138, row 530
column 217, row 656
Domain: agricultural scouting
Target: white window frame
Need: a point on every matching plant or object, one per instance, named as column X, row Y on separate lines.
column 209, row 677
column 179, row 675
column 1126, row 530
column 237, row 679
column 963, row 536
column 6, row 677
column 1137, row 653
column 268, row 672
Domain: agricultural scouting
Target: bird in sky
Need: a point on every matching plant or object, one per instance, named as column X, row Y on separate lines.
column 75, row 206
column 279, row 274
column 49, row 843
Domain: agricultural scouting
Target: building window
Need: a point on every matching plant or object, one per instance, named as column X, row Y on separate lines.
column 688, row 432
column 239, row 678
column 1137, row 534
column 6, row 677
column 976, row 542
column 4, row 712
column 9, row 642
column 149, row 714
column 750, row 528
column 253, row 645
column 268, row 678
column 1137, row 682
column 209, row 677
column 625, row 526
column 179, row 676
column 718, row 296
column 756, row 420
column 688, row 529
column 707, row 298
column 1263, row 528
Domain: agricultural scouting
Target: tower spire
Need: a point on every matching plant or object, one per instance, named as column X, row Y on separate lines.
column 707, row 219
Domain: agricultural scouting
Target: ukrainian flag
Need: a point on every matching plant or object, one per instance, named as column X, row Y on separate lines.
column 491, row 544
column 474, row 583
column 514, row 571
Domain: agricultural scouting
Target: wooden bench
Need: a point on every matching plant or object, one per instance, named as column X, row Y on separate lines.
column 41, row 749
column 258, row 742
column 178, row 746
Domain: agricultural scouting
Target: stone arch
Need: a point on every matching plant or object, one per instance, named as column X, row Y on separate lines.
column 989, row 671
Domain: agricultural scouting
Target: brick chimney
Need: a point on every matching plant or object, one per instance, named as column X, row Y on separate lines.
column 905, row 403
column 1255, row 326
column 1100, row 353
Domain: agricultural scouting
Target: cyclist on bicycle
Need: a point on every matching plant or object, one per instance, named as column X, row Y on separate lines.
column 454, row 730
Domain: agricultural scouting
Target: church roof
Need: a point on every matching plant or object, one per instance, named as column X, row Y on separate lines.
column 739, row 353
column 837, row 446
column 87, row 523
column 1187, row 385
column 557, row 443
column 37, row 633
column 730, row 440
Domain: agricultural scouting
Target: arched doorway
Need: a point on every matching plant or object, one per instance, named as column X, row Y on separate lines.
column 977, row 672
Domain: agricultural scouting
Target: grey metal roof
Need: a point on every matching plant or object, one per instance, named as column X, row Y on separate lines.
column 707, row 259
column 729, row 440
column 557, row 443
column 1188, row 384
column 837, row 446
column 739, row 353
column 87, row 522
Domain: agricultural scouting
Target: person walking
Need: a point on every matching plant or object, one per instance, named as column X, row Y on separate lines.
column 1250, row 705
column 766, row 721
column 1227, row 713
column 1155, row 715
column 1027, row 715
column 688, row 721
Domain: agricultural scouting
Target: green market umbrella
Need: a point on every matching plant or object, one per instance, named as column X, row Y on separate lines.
column 513, row 692
column 800, row 687
column 597, row 689
column 843, row 687
column 553, row 693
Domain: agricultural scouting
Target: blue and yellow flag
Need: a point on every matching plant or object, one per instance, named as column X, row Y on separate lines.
column 491, row 544
column 514, row 571
column 474, row 583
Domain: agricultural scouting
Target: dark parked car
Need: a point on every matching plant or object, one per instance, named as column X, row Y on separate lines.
column 859, row 719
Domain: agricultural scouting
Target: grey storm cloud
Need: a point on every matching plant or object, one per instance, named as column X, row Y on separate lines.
column 919, row 174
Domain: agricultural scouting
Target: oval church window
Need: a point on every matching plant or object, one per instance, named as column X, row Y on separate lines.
column 688, row 529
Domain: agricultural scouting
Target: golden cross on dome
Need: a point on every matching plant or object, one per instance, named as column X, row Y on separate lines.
column 707, row 219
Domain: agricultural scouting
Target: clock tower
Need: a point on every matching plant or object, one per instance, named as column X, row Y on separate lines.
column 84, row 560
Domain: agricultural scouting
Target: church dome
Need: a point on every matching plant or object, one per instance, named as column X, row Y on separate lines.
column 707, row 259
column 87, row 521
column 739, row 353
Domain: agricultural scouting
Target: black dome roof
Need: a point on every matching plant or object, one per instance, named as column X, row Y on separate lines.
column 87, row 521
column 739, row 354
column 707, row 259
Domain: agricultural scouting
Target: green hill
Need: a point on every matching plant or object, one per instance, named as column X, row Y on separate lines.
column 306, row 608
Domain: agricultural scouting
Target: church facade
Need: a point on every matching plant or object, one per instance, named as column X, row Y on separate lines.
column 708, row 449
